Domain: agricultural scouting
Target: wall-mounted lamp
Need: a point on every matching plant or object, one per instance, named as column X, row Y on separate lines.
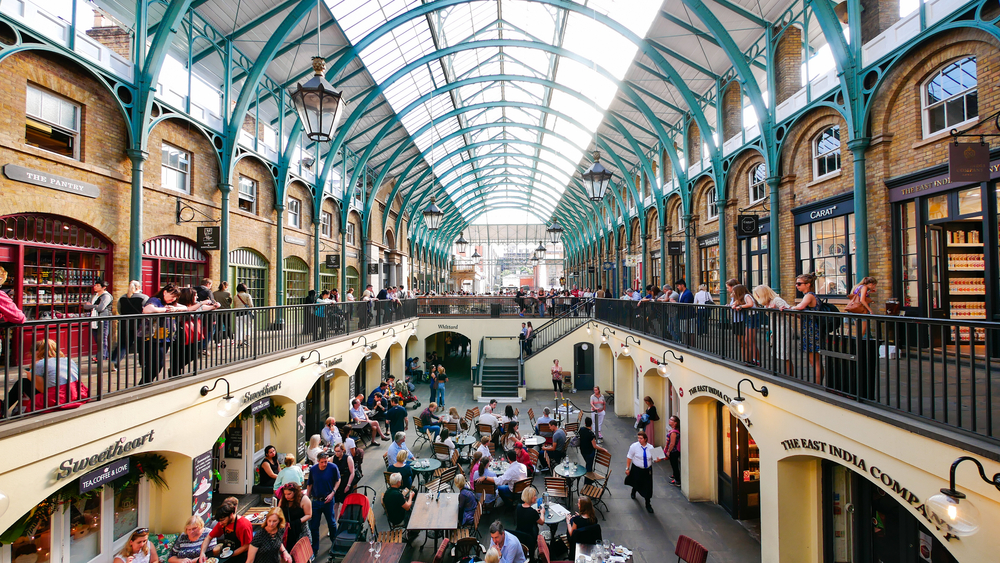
column 661, row 365
column 367, row 350
column 955, row 515
column 604, row 334
column 591, row 324
column 227, row 404
column 413, row 328
column 740, row 408
column 625, row 348
column 319, row 360
column 393, row 331
column 4, row 503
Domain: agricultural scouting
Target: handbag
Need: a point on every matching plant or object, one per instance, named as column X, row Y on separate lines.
column 855, row 305
column 302, row 551
column 192, row 331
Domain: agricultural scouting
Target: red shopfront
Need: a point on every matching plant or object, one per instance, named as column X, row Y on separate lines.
column 172, row 259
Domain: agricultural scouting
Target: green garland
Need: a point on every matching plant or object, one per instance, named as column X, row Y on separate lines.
column 271, row 414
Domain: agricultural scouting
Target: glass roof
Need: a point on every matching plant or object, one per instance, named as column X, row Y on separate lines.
column 511, row 153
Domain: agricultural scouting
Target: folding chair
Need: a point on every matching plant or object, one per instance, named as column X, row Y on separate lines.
column 485, row 430
column 442, row 452
column 385, row 458
column 518, row 487
column 387, row 474
column 556, row 487
column 451, row 426
column 392, row 536
column 444, row 480
column 596, row 492
column 602, row 466
column 421, row 435
column 487, row 488
column 690, row 551
column 469, row 530
column 533, row 454
column 531, row 418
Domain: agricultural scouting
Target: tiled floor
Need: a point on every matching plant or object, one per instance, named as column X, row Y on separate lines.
column 650, row 536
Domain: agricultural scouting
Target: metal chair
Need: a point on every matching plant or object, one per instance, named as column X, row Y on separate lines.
column 602, row 466
column 596, row 492
column 421, row 435
column 690, row 551
column 556, row 487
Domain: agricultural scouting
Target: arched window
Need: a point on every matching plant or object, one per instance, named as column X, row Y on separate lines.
column 826, row 152
column 950, row 97
column 711, row 204
column 756, row 180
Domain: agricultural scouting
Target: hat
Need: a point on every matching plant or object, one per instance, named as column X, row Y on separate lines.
column 518, row 445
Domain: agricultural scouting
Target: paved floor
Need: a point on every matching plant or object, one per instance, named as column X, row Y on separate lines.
column 651, row 536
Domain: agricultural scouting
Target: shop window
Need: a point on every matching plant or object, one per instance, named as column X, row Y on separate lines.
column 326, row 224
column 950, row 97
column 248, row 195
column 126, row 503
column 680, row 218
column 826, row 248
column 36, row 544
column 249, row 268
column 328, row 278
column 52, row 123
column 758, row 190
column 710, row 268
column 350, row 233
column 353, row 281
column 294, row 212
column 910, row 262
column 712, row 204
column 296, row 280
column 826, row 152
column 85, row 529
column 754, row 264
column 175, row 168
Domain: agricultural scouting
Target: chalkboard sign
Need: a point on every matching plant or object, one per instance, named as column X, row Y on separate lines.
column 300, row 430
column 234, row 441
column 201, row 493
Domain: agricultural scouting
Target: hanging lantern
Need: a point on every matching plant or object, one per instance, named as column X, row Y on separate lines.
column 319, row 106
column 461, row 244
column 433, row 216
column 555, row 232
column 596, row 179
column 476, row 256
column 540, row 251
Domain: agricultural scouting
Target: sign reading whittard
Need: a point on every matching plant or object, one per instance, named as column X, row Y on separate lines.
column 46, row 180
column 103, row 476
column 878, row 475
column 117, row 449
column 251, row 396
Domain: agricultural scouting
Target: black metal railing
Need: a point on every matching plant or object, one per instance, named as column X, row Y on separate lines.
column 495, row 307
column 554, row 329
column 60, row 364
column 946, row 371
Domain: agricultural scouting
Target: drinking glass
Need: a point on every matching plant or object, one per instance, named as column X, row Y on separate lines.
column 371, row 543
column 607, row 546
column 378, row 550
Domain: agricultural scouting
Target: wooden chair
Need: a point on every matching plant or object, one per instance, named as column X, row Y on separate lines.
column 572, row 429
column 543, row 552
column 467, row 547
column 444, row 480
column 469, row 530
column 485, row 429
column 475, row 413
column 442, row 550
column 422, row 436
column 442, row 452
column 602, row 466
column 493, row 449
column 519, row 486
column 596, row 492
column 385, row 458
column 533, row 454
column 690, row 551
column 557, row 487
column 454, row 460
column 487, row 488
column 531, row 418
column 451, row 426
column 387, row 474
column 392, row 536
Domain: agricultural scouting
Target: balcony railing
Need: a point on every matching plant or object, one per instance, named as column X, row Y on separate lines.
column 945, row 371
column 495, row 307
column 57, row 365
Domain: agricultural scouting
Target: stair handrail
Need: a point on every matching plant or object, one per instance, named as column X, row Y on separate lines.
column 479, row 365
column 555, row 322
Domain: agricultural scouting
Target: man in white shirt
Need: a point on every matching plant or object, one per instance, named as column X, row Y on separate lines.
column 639, row 469
column 515, row 472
column 491, row 419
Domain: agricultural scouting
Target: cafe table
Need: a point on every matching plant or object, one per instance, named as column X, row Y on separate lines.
column 462, row 442
column 434, row 512
column 553, row 519
column 391, row 553
column 586, row 549
column 424, row 466
column 533, row 441
column 571, row 472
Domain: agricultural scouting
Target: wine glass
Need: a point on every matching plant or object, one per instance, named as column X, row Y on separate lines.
column 378, row 550
column 371, row 543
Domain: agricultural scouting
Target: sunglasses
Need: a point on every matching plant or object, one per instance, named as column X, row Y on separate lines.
column 140, row 532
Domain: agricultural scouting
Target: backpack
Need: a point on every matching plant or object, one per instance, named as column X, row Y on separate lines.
column 827, row 325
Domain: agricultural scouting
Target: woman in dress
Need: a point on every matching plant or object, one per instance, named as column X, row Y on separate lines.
column 512, row 436
column 557, row 381
column 780, row 335
column 297, row 510
column 345, row 464
column 806, row 283
column 137, row 549
column 267, row 546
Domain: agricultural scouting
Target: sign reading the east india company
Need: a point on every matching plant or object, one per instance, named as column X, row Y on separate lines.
column 46, row 180
column 969, row 162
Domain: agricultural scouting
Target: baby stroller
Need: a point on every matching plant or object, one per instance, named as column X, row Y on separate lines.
column 354, row 516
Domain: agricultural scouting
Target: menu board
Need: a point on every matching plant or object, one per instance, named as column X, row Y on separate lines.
column 300, row 431
column 234, row 440
column 201, row 485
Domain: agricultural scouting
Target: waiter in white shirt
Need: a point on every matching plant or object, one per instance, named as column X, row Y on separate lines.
column 639, row 469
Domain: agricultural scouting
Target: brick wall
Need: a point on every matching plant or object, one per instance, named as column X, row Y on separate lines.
column 694, row 143
column 877, row 16
column 115, row 38
column 732, row 110
column 788, row 64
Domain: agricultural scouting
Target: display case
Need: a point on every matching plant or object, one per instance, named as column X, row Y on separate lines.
column 965, row 294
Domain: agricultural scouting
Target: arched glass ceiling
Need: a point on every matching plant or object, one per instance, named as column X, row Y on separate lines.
column 489, row 128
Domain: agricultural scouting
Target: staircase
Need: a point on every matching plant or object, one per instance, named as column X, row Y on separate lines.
column 560, row 326
column 500, row 378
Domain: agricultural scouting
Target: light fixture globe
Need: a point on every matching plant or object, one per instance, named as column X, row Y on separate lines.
column 461, row 244
column 596, row 179
column 433, row 216
column 625, row 350
column 4, row 503
column 555, row 232
column 367, row 351
column 540, row 251
column 318, row 369
column 604, row 339
column 663, row 369
column 226, row 407
column 318, row 105
column 956, row 515
column 740, row 408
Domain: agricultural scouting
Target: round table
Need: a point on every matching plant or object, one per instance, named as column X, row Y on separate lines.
column 432, row 466
column 553, row 520
column 572, row 472
column 464, row 441
column 533, row 441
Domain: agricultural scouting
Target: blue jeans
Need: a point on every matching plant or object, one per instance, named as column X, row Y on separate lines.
column 506, row 494
column 101, row 338
column 440, row 395
column 325, row 508
column 433, row 429
column 541, row 309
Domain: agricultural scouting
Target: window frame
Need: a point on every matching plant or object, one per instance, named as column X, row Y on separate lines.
column 294, row 215
column 753, row 185
column 350, row 233
column 164, row 165
column 809, row 263
column 252, row 198
column 925, row 107
column 711, row 205
column 832, row 153
column 326, row 224
column 76, row 133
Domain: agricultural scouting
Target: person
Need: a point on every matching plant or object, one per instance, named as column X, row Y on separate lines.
column 244, row 319
column 100, row 306
column 588, row 445
column 290, row 473
column 481, row 472
column 330, row 433
column 358, row 415
column 374, row 396
column 399, row 445
column 356, row 453
column 434, row 383
column 557, row 381
column 527, row 517
column 225, row 300
column 484, row 445
column 639, row 469
column 314, row 448
column 9, row 313
column 582, row 527
column 506, row 544
column 268, row 472
column 158, row 333
column 511, row 437
column 379, row 407
column 430, row 420
column 397, row 506
column 137, row 549
column 402, row 467
column 645, row 420
column 267, row 545
column 310, row 324
column 54, row 380
column 131, row 303
column 703, row 297
column 345, row 466
column 514, row 473
column 508, row 418
column 203, row 294
column 349, row 296
column 861, row 300
column 556, row 451
column 524, row 458
column 231, row 531
column 491, row 419
column 297, row 511
column 780, row 335
column 187, row 546
column 190, row 331
column 492, row 556
column 442, row 378
column 806, row 283
column 451, row 416
column 444, row 437
column 467, row 501
column 597, row 405
column 673, row 449
column 529, row 338
column 324, row 480
column 685, row 321
column 744, row 320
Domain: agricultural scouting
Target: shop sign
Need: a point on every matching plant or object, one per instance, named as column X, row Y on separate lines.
column 373, row 269
column 969, row 162
column 251, row 396
column 448, row 327
column 329, row 364
column 835, row 207
column 117, row 449
column 591, row 269
column 747, row 225
column 711, row 391
column 294, row 240
column 675, row 248
column 931, row 186
column 209, row 237
column 201, row 494
column 608, row 266
column 103, row 476
column 710, row 240
column 332, row 260
column 888, row 482
column 300, row 430
column 46, row 180
column 260, row 405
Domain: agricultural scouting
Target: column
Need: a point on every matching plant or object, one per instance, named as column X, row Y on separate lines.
column 138, row 157
column 279, row 266
column 773, row 239
column 723, row 232
column 225, row 189
column 858, row 148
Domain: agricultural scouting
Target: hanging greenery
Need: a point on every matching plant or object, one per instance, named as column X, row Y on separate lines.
column 150, row 466
column 271, row 414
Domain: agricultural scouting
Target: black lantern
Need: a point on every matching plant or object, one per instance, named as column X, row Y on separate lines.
column 540, row 251
column 319, row 106
column 596, row 179
column 476, row 256
column 433, row 216
column 555, row 231
column 461, row 244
